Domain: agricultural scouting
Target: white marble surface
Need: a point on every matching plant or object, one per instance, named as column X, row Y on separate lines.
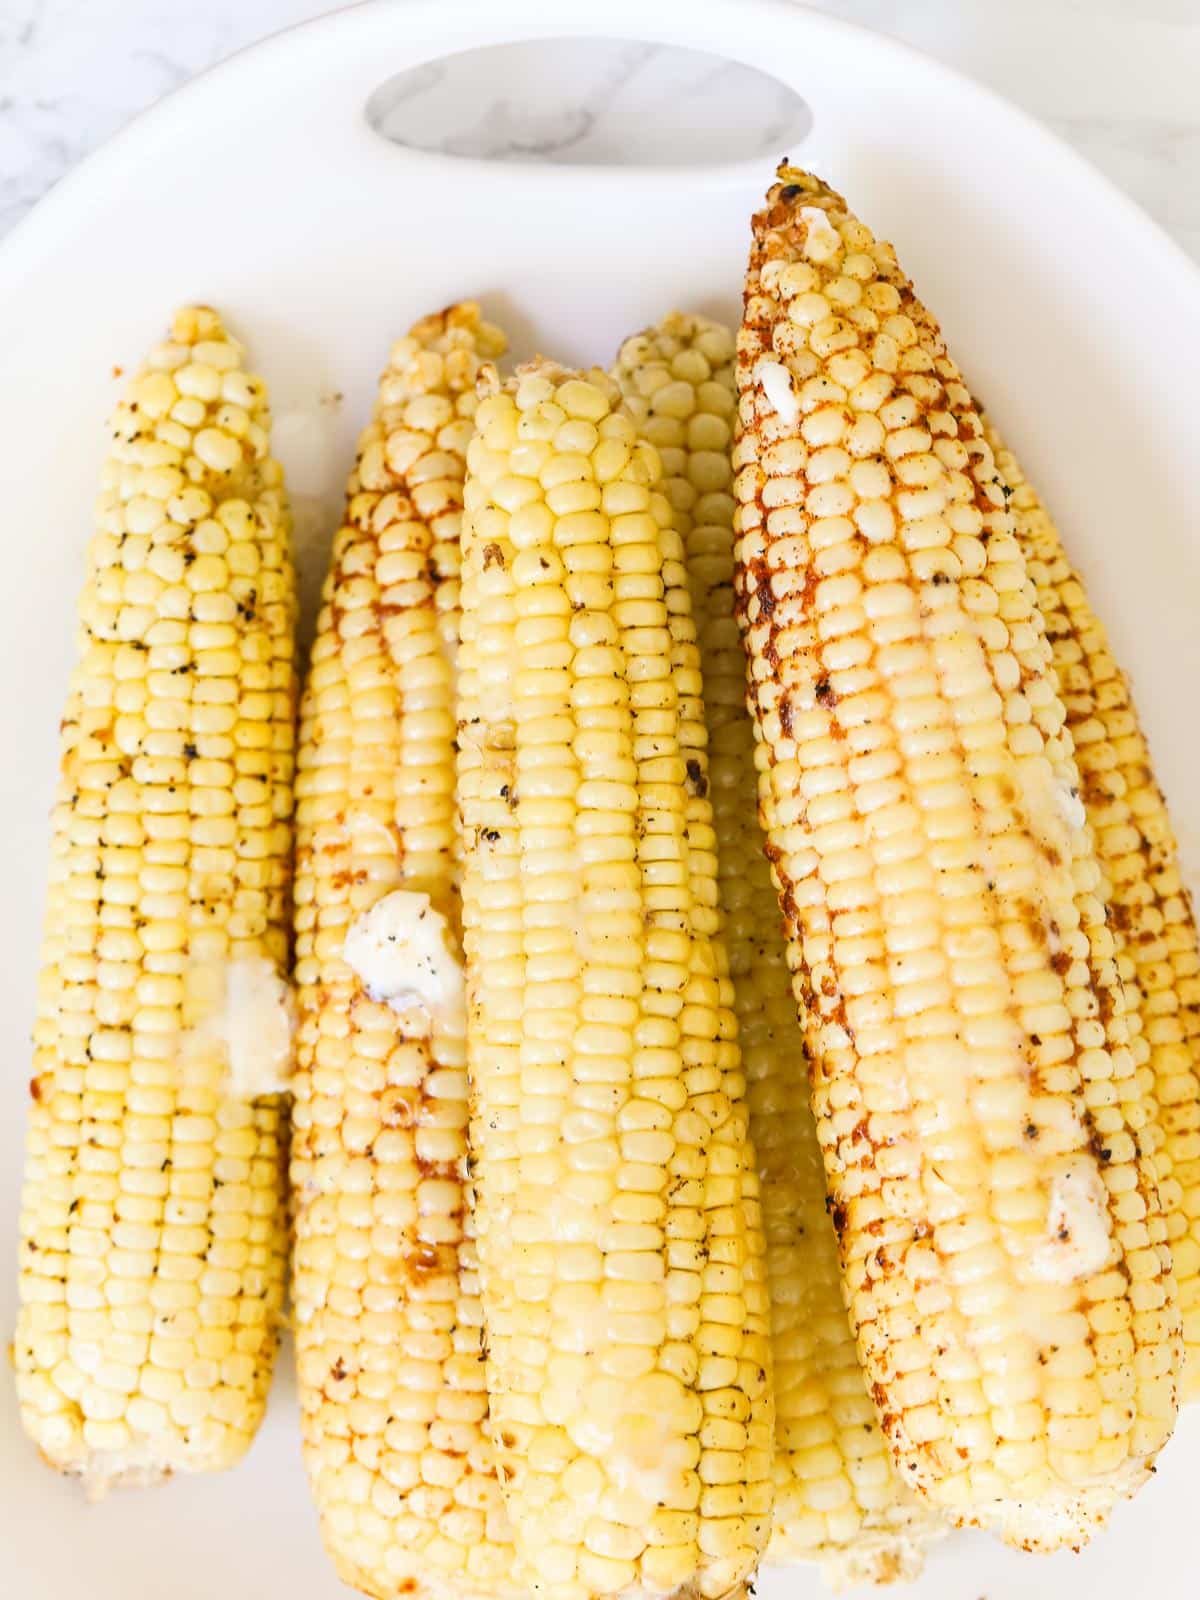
column 1116, row 77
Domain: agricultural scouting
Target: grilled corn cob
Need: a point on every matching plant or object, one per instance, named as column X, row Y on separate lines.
column 1149, row 910
column 838, row 1499
column 152, row 1230
column 387, row 1314
column 617, row 1212
column 981, row 1118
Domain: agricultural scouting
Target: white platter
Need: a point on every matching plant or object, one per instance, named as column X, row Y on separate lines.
column 261, row 189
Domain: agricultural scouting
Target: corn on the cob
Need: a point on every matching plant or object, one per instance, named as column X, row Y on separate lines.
column 387, row 1316
column 1149, row 910
column 838, row 1499
column 977, row 1103
column 618, row 1221
column 152, row 1230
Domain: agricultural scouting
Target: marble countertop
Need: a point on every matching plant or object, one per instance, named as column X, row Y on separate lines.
column 1117, row 78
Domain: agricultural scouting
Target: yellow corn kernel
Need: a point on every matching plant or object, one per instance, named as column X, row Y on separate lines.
column 388, row 1325
column 838, row 1499
column 152, row 1228
column 985, row 1127
column 1150, row 914
column 618, row 1213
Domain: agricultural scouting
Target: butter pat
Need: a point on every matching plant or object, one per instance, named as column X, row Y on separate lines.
column 1070, row 807
column 404, row 953
column 776, row 382
column 260, row 1027
column 1078, row 1241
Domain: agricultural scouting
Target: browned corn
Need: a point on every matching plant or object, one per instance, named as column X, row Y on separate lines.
column 981, row 1117
column 1149, row 910
column 838, row 1500
column 387, row 1314
column 152, row 1228
column 618, row 1217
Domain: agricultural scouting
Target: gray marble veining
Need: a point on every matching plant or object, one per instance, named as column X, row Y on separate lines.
column 1116, row 78
column 615, row 101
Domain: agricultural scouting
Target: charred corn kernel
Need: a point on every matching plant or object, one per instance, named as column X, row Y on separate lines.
column 838, row 1499
column 1150, row 913
column 152, row 1228
column 981, row 1115
column 387, row 1318
column 619, row 1228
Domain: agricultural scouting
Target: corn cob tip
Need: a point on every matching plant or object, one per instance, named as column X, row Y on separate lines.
column 459, row 325
column 800, row 211
column 489, row 381
column 540, row 375
column 190, row 324
column 540, row 366
column 794, row 185
column 441, row 356
column 643, row 362
column 1065, row 1520
column 881, row 1555
column 547, row 370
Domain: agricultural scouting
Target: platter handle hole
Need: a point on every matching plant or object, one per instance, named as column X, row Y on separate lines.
column 588, row 103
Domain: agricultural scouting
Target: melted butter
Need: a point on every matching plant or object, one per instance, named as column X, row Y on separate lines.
column 403, row 951
column 1078, row 1240
column 246, row 1011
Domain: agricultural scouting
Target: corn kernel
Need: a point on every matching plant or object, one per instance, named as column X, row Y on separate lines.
column 149, row 1127
column 391, row 1379
column 938, row 959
